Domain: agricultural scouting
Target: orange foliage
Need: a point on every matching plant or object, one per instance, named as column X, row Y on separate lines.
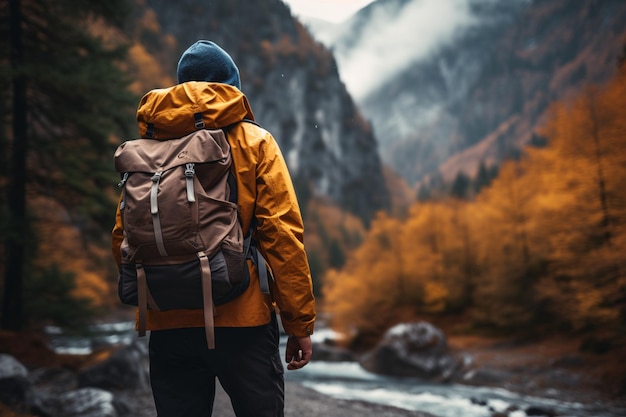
column 149, row 21
column 303, row 47
column 145, row 67
column 329, row 229
column 61, row 243
column 149, row 73
column 147, row 59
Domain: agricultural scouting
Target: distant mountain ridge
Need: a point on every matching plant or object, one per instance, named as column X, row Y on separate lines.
column 478, row 96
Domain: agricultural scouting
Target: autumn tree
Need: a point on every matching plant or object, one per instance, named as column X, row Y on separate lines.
column 362, row 297
column 509, row 255
column 331, row 233
column 462, row 256
column 66, row 97
column 433, row 248
column 404, row 269
column 587, row 145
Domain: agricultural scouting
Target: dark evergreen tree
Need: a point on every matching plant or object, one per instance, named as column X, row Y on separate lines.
column 424, row 193
column 484, row 177
column 337, row 256
column 65, row 97
column 461, row 186
column 538, row 141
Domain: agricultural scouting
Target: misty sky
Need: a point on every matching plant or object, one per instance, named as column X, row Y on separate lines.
column 393, row 41
column 391, row 47
column 331, row 10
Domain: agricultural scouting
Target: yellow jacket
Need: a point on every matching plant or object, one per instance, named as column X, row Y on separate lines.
column 264, row 190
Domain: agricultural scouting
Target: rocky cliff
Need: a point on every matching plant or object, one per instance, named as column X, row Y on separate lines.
column 479, row 92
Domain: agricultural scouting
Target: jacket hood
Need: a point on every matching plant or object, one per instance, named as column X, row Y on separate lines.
column 173, row 112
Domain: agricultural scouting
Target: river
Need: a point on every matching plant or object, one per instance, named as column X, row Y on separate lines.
column 347, row 380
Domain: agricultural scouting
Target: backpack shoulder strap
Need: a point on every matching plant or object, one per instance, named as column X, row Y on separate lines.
column 250, row 244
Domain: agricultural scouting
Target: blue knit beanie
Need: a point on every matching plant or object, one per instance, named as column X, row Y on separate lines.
column 206, row 61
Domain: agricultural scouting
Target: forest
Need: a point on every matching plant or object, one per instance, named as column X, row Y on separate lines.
column 539, row 249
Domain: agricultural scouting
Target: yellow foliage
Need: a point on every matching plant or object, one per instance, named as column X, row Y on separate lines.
column 61, row 244
column 149, row 73
column 435, row 296
column 149, row 21
column 330, row 233
column 590, row 307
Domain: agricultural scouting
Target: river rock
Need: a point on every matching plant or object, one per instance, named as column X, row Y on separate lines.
column 126, row 368
column 541, row 411
column 11, row 367
column 83, row 402
column 15, row 388
column 412, row 349
column 55, row 380
column 17, row 392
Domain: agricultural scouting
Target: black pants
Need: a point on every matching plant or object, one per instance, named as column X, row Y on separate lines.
column 246, row 361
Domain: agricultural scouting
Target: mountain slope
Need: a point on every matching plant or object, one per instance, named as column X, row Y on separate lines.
column 477, row 92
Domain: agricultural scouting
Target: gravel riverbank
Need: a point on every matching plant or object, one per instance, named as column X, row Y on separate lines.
column 304, row 402
column 299, row 402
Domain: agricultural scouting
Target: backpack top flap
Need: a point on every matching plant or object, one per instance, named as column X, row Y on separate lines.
column 169, row 213
column 149, row 155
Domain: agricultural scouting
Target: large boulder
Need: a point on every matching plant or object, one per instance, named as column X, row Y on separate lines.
column 413, row 349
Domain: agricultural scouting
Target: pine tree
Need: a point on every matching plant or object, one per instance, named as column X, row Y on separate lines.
column 461, row 186
column 66, row 98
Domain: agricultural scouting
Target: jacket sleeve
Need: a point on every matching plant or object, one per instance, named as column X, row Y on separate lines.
column 280, row 233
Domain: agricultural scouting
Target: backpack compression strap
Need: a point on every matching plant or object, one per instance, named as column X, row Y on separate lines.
column 144, row 299
column 154, row 210
column 189, row 173
column 207, row 296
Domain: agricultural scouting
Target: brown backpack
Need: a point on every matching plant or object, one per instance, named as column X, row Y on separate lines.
column 183, row 246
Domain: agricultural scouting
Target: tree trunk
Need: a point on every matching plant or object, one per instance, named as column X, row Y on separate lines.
column 16, row 192
column 600, row 177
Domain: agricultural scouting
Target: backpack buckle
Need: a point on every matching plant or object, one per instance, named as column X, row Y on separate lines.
column 198, row 121
column 189, row 171
column 123, row 180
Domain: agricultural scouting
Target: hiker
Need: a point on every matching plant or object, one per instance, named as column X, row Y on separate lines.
column 245, row 359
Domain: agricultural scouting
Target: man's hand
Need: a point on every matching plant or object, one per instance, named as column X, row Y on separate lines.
column 298, row 352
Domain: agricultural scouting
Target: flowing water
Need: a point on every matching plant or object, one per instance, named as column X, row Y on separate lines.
column 347, row 380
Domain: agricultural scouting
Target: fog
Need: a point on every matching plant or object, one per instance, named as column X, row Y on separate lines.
column 396, row 38
column 329, row 10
